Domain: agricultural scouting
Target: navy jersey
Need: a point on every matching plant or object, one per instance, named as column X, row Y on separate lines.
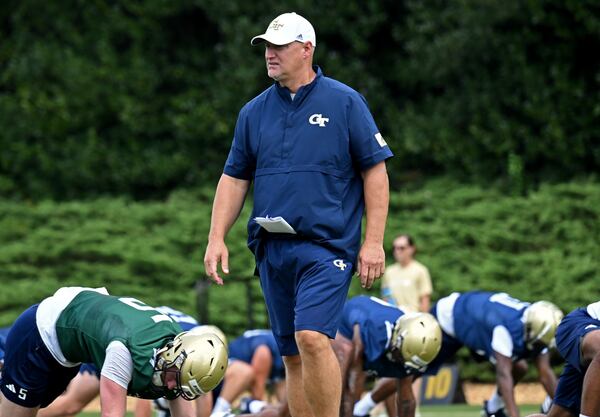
column 185, row 321
column 376, row 319
column 305, row 157
column 477, row 313
column 242, row 348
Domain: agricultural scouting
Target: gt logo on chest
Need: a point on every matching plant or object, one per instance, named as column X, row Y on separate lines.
column 318, row 119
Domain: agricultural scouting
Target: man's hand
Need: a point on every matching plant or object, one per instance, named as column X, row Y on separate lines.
column 216, row 252
column 371, row 263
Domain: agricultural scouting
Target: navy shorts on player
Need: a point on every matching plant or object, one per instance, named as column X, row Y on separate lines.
column 569, row 335
column 305, row 286
column 31, row 376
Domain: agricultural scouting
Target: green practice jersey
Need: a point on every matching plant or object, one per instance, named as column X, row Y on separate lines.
column 91, row 321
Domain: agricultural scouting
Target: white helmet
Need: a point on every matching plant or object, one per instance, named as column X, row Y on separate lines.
column 201, row 361
column 541, row 320
column 418, row 337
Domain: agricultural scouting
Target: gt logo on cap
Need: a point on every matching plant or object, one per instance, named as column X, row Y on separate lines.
column 275, row 25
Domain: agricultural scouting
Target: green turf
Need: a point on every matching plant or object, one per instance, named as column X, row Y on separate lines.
column 465, row 410
column 426, row 411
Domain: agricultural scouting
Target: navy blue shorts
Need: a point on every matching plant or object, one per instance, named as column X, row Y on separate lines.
column 569, row 335
column 305, row 287
column 31, row 376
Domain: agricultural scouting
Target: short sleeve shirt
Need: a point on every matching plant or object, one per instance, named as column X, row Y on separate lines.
column 305, row 157
column 405, row 285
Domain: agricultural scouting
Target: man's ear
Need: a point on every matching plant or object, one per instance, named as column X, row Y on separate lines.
column 307, row 50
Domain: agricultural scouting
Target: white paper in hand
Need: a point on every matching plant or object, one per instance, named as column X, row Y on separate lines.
column 275, row 224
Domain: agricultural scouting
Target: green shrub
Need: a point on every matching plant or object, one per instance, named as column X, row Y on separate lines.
column 543, row 246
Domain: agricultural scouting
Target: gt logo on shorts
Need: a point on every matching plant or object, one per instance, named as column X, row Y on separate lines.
column 340, row 264
column 318, row 119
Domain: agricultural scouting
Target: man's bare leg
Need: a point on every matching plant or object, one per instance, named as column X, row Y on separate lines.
column 320, row 374
column 10, row 409
column 295, row 387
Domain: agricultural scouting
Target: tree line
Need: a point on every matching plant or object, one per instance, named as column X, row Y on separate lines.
column 138, row 98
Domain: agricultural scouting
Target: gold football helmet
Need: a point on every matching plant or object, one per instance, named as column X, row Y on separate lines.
column 418, row 337
column 541, row 320
column 209, row 328
column 201, row 361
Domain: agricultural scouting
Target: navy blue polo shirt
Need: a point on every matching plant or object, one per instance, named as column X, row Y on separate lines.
column 305, row 157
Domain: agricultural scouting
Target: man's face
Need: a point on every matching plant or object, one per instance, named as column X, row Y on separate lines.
column 284, row 61
column 403, row 252
column 170, row 377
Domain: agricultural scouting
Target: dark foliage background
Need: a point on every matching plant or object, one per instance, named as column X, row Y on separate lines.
column 139, row 97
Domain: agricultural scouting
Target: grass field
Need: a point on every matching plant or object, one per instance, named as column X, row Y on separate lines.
column 465, row 411
column 429, row 411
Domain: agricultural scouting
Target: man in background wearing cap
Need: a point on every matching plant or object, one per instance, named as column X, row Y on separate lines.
column 317, row 160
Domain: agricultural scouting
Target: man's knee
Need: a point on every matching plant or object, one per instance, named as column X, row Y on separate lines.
column 311, row 342
column 239, row 370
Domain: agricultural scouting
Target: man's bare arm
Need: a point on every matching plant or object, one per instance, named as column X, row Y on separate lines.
column 229, row 200
column 371, row 258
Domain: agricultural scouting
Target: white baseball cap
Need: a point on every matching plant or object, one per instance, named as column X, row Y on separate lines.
column 287, row 28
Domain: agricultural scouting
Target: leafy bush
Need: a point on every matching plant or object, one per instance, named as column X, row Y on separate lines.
column 139, row 98
column 542, row 246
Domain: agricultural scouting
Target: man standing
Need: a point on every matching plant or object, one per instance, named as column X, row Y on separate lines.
column 407, row 283
column 317, row 160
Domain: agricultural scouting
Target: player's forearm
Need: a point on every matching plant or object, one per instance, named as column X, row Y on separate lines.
column 347, row 405
column 549, row 382
column 406, row 404
column 377, row 196
column 506, row 388
column 113, row 398
column 227, row 205
column 406, row 407
column 546, row 374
